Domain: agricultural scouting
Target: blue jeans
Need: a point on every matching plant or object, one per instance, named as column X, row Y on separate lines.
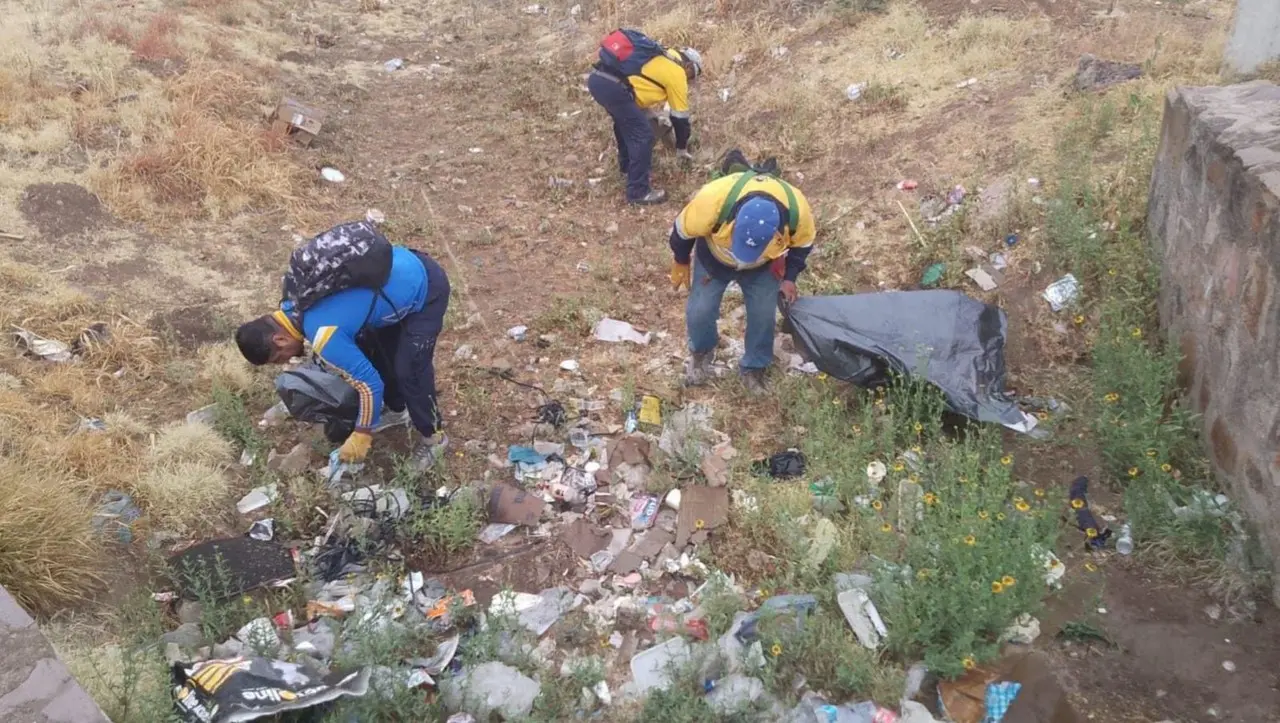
column 759, row 289
column 631, row 130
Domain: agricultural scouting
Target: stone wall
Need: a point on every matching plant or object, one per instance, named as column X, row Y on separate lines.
column 1214, row 221
column 1255, row 35
column 35, row 686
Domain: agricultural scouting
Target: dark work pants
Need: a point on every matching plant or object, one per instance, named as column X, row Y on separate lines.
column 404, row 354
column 631, row 129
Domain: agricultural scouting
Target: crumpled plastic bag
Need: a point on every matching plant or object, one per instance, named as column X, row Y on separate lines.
column 314, row 395
column 944, row 337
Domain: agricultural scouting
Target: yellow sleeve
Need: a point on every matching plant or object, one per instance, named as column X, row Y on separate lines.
column 699, row 217
column 806, row 229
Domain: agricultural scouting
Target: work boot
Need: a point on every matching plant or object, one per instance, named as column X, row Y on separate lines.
column 389, row 419
column 652, row 198
column 697, row 369
column 754, row 382
column 428, row 451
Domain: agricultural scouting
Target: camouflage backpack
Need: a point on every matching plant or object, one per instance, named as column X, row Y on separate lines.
column 350, row 256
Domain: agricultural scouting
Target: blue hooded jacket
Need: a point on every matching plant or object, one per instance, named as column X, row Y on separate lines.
column 333, row 323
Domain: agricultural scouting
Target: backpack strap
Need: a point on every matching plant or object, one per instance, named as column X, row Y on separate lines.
column 730, row 201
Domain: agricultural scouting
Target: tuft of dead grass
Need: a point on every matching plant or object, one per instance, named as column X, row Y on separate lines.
column 48, row 555
column 181, row 494
column 222, row 365
column 189, row 442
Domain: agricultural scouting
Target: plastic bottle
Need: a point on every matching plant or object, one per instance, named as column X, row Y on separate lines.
column 1124, row 542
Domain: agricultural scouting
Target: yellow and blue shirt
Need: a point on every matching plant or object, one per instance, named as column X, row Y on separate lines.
column 695, row 228
column 333, row 323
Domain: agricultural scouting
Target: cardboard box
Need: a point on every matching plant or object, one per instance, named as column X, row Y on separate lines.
column 300, row 121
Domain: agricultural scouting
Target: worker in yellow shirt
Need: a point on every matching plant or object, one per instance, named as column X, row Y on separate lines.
column 750, row 228
column 634, row 78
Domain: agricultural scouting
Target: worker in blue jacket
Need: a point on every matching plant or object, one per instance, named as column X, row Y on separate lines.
column 382, row 342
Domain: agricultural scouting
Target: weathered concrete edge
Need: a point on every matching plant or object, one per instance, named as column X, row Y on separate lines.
column 35, row 687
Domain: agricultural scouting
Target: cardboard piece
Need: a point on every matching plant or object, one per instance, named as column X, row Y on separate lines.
column 585, row 539
column 710, row 505
column 626, row 562
column 715, row 468
column 651, row 543
column 630, row 450
column 964, row 699
column 514, row 506
column 294, row 119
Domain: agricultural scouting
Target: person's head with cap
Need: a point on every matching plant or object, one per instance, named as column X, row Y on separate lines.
column 692, row 62
column 754, row 226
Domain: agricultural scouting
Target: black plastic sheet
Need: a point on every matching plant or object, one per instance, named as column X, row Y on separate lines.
column 314, row 395
column 944, row 337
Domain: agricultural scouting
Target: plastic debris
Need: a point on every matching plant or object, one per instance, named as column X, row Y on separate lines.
column 644, row 511
column 491, row 687
column 258, row 498
column 725, row 94
column 393, row 65
column 518, row 333
column 932, row 275
column 1062, row 293
column 1022, row 631
column 117, row 513
column 798, row 605
column 854, row 91
column 264, row 530
column 783, row 465
column 652, row 668
column 876, row 472
column 612, row 330
column 908, row 185
column 251, row 688
column 42, row 348
column 378, row 502
column 967, row 83
column 569, row 365
column 1124, row 541
column 862, row 617
column 494, row 532
column 332, row 175
column 998, row 699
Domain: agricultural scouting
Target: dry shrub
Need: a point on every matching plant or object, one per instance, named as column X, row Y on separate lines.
column 184, row 442
column 222, row 365
column 48, row 552
column 157, row 39
column 181, row 495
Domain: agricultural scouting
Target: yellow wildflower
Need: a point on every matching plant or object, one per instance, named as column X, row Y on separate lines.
column 1090, row 567
column 1133, row 471
column 877, row 505
column 1136, row 333
column 886, row 527
column 918, row 427
column 983, row 514
column 930, row 498
column 1077, row 504
column 898, row 466
column 1091, row 533
column 969, row 663
column 1039, row 492
column 1008, row 581
column 1006, row 460
column 1166, row 467
column 776, row 650
column 999, row 515
column 970, row 540
column 1021, row 506
column 1079, row 319
column 1151, row 453
column 997, row 587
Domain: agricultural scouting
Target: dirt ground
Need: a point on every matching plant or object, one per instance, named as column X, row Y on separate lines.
column 460, row 148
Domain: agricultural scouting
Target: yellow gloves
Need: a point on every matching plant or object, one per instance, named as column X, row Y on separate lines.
column 681, row 275
column 356, row 448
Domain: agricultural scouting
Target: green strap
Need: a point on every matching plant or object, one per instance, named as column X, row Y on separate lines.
column 793, row 209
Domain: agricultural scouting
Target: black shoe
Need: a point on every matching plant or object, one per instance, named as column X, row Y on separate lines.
column 651, row 198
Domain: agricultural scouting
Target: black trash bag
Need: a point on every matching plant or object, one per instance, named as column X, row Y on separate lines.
column 952, row 341
column 250, row 688
column 735, row 161
column 315, row 395
column 785, row 464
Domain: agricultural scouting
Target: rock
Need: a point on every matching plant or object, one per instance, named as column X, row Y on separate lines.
column 611, row 228
column 190, row 611
column 294, row 463
column 173, row 653
column 734, row 693
column 463, row 352
column 187, row 636
column 230, row 649
column 1093, row 73
column 491, row 687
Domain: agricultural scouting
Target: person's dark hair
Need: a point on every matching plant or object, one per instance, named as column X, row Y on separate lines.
column 256, row 339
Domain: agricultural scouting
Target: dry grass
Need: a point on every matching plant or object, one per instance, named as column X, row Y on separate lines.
column 48, row 552
column 189, row 442
column 181, row 495
column 222, row 365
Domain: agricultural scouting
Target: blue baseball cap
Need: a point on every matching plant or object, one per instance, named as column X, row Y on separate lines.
column 754, row 227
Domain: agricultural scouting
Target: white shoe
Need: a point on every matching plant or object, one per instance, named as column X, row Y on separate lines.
column 390, row 419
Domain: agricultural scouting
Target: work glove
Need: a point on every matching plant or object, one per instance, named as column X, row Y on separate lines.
column 356, row 448
column 681, row 275
column 684, row 154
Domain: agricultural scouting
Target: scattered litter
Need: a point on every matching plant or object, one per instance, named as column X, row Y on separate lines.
column 242, row 689
column 908, row 185
column 494, row 532
column 332, row 175
column 956, row 196
column 374, row 216
column 999, row 261
column 1022, row 631
column 393, row 65
column 652, row 668
column 258, row 498
column 864, row 338
column 1228, row 666
column 725, row 94
column 264, row 530
column 42, row 348
column 116, row 512
column 569, row 365
column 932, row 275
column 798, row 605
column 644, row 511
column 701, row 508
column 491, row 687
column 512, row 505
column 1062, row 293
column 476, row 150
column 862, row 617
column 821, row 542
column 782, row 465
column 555, row 182
column 1096, row 535
column 585, row 538
column 967, row 83
column 650, row 410
column 520, row 454
column 986, row 277
column 535, row 10
column 298, row 121
column 854, row 92
column 998, row 699
column 613, row 330
column 1124, row 541
column 278, row 413
column 378, row 502
column 518, row 332
column 780, row 51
